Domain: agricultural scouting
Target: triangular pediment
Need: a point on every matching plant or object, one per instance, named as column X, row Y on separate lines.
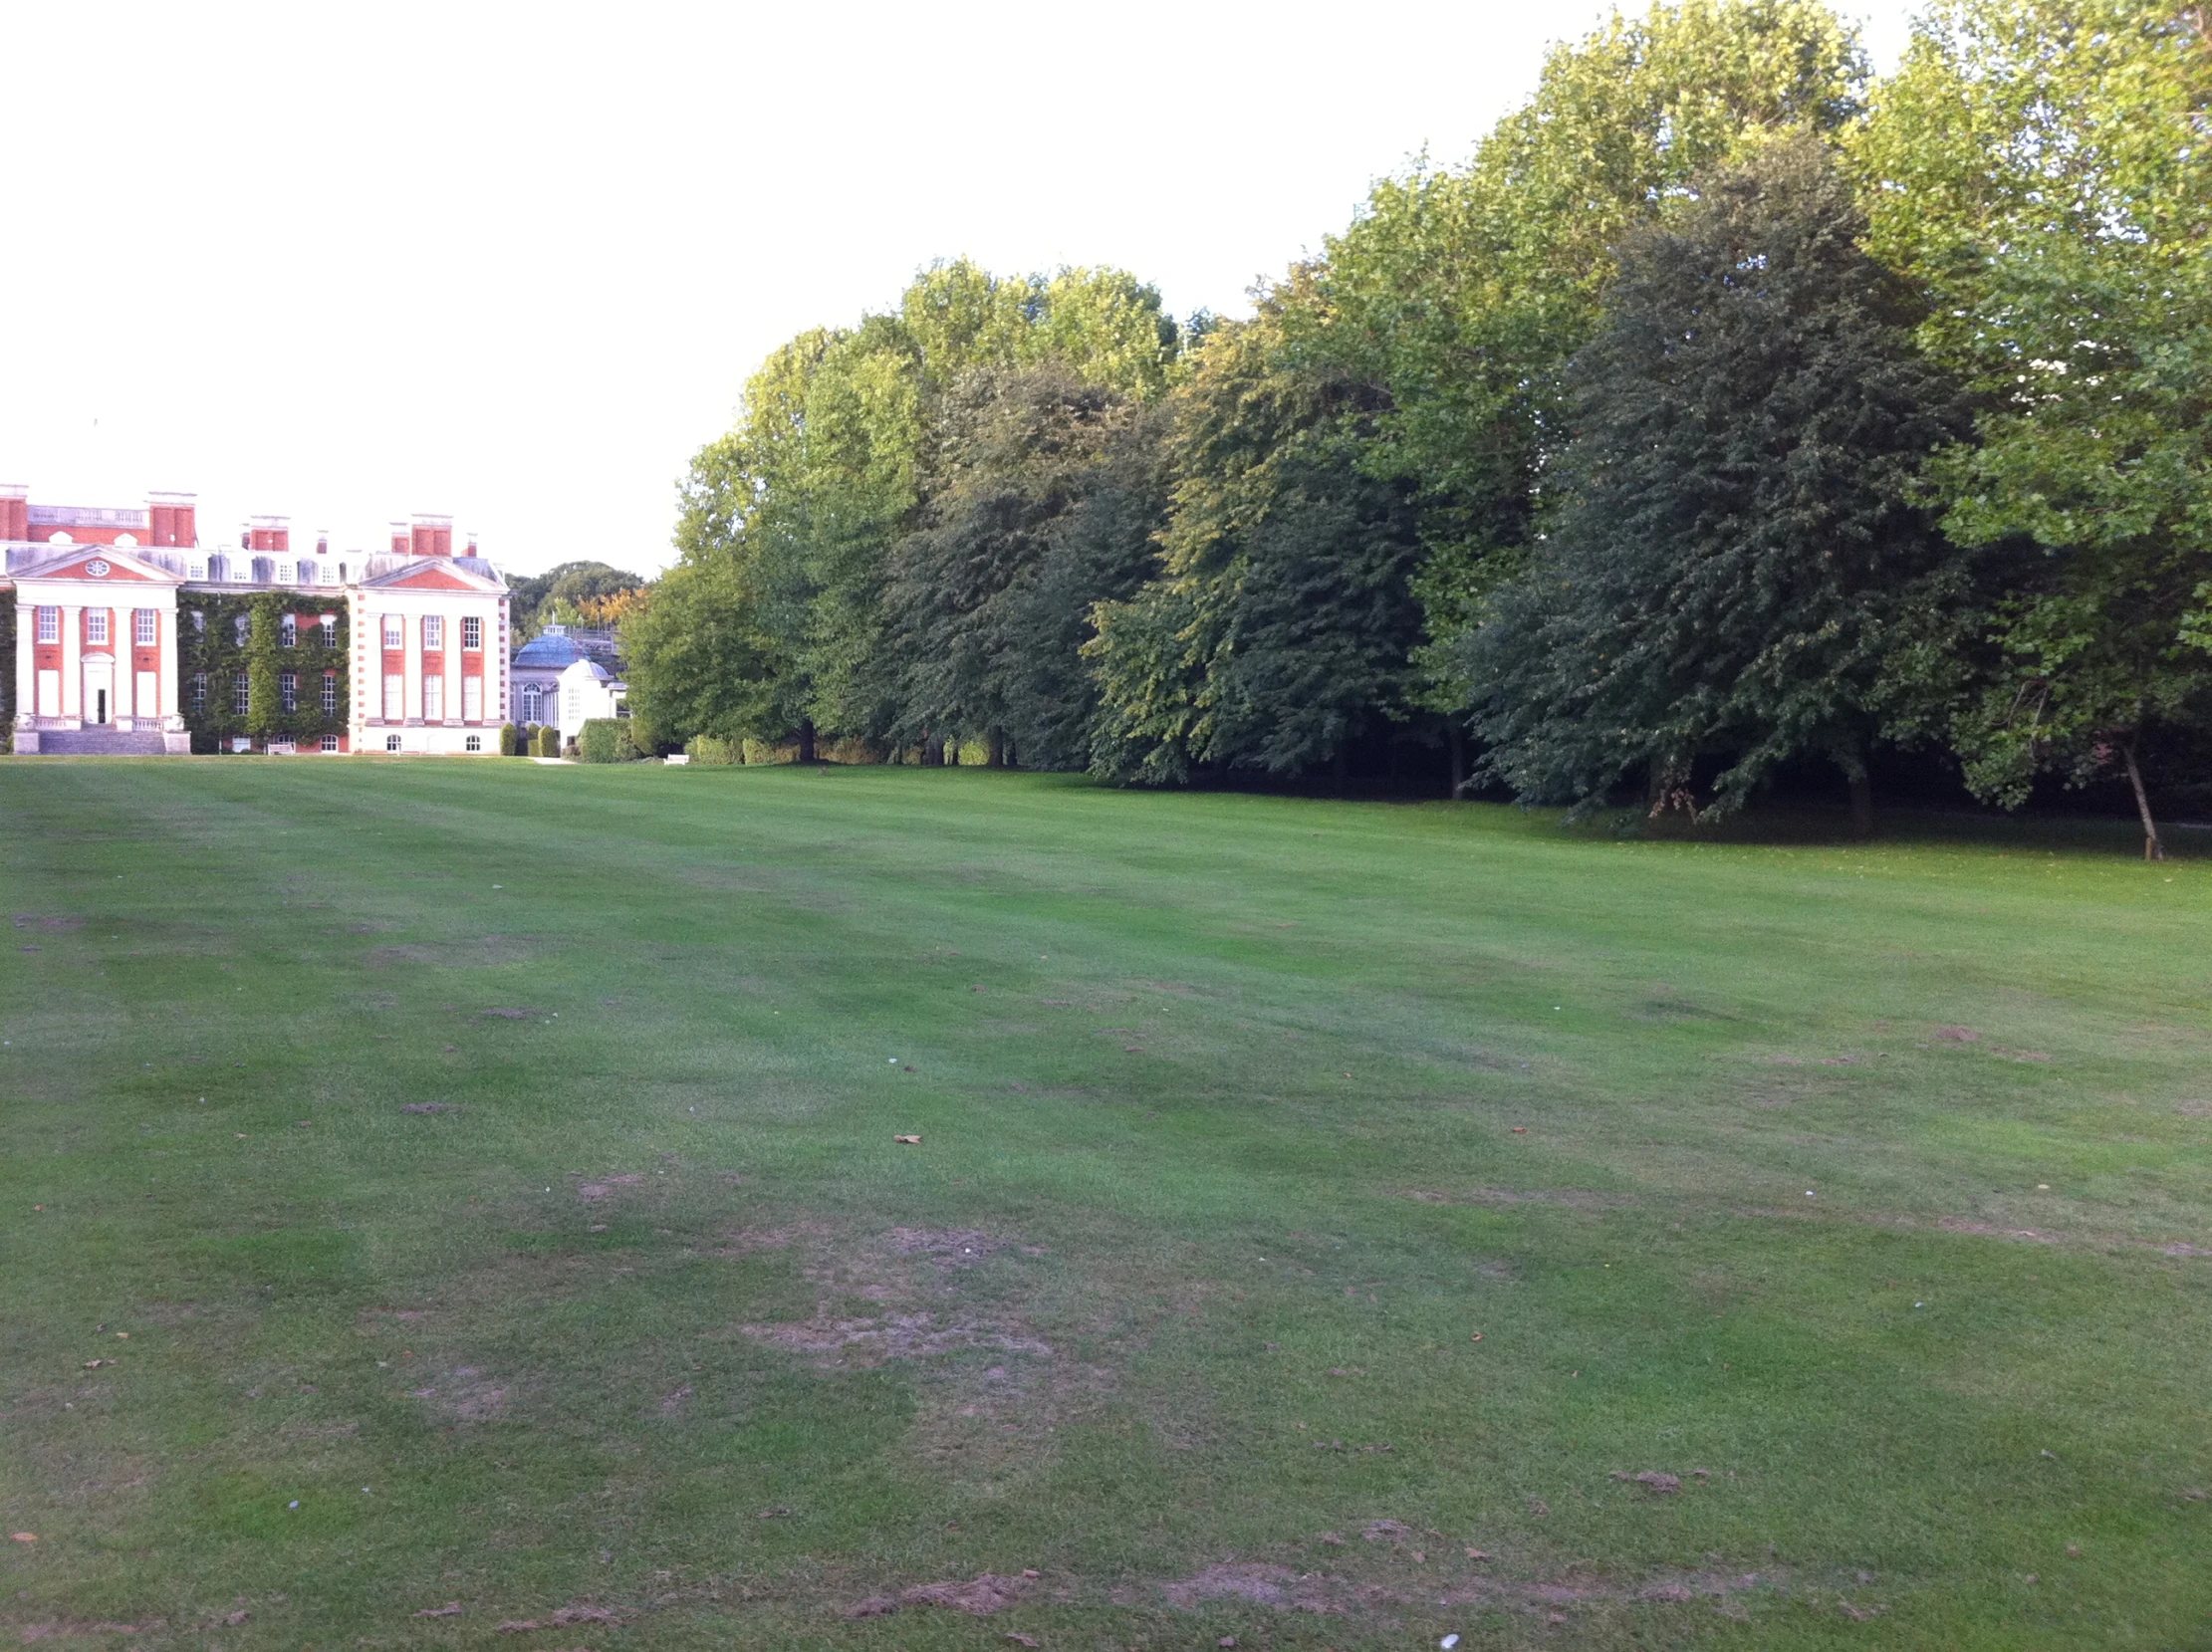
column 431, row 574
column 99, row 564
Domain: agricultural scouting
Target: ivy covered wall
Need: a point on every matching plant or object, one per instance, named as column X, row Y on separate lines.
column 7, row 670
column 224, row 640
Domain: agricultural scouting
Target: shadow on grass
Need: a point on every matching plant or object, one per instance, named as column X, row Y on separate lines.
column 1812, row 827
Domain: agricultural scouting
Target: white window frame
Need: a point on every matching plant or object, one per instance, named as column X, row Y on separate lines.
column 472, row 699
column 49, row 625
column 474, row 743
column 95, row 629
column 395, row 631
column 433, row 696
column 472, row 631
column 288, row 690
column 199, row 692
column 330, row 742
column 391, row 741
column 145, row 627
column 329, row 624
column 330, row 693
column 287, row 631
column 433, row 632
column 241, row 694
column 395, row 697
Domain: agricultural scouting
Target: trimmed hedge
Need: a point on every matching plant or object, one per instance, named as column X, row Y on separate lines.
column 547, row 743
column 605, row 740
column 705, row 748
column 510, row 740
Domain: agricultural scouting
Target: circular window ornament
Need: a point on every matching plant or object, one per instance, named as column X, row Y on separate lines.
column 96, row 567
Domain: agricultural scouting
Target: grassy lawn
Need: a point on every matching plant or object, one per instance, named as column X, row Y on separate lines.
column 476, row 1184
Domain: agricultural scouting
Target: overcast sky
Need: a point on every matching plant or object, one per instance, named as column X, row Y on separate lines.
column 514, row 263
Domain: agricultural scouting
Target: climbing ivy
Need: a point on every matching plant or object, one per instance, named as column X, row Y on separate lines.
column 7, row 670
column 212, row 643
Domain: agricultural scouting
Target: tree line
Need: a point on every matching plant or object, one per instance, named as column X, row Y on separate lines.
column 1729, row 409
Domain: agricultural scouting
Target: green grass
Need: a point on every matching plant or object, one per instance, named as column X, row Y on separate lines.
column 1240, row 1117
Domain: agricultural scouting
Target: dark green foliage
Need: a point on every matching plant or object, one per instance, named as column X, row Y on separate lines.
column 208, row 645
column 1737, row 540
column 7, row 670
column 606, row 740
column 1047, row 494
column 1282, row 630
column 547, row 741
column 510, row 740
column 535, row 600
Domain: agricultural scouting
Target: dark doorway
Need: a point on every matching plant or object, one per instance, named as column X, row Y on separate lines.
column 100, row 705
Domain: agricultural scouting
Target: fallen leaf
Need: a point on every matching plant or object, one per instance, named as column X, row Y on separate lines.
column 1332, row 1539
column 1477, row 1338
column 1661, row 1485
column 1539, row 1508
column 23, row 1537
column 911, row 1141
column 237, row 1617
column 1520, row 1129
column 1477, row 1554
column 772, row 1513
column 1018, row 1640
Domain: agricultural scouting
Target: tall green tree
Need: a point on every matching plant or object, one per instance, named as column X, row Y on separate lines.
column 1045, row 496
column 1463, row 293
column 1738, row 538
column 2039, row 166
column 1280, row 631
column 828, row 468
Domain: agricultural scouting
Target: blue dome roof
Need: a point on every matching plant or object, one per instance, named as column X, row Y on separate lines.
column 549, row 652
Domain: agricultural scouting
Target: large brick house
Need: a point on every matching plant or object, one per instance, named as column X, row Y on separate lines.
column 130, row 636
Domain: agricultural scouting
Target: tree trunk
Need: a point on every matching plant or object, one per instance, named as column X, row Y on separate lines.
column 2154, row 849
column 805, row 740
column 1340, row 768
column 933, row 750
column 995, row 746
column 1459, row 758
column 1851, row 756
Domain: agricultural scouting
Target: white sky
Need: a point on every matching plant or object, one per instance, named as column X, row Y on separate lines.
column 514, row 263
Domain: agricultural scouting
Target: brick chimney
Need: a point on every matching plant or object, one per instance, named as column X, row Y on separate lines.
column 399, row 539
column 322, row 542
column 472, row 543
column 269, row 533
column 433, row 536
column 15, row 511
column 170, row 518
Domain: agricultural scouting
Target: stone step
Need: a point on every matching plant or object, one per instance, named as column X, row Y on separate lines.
column 98, row 743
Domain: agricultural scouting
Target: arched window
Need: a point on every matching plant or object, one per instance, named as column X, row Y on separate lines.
column 529, row 702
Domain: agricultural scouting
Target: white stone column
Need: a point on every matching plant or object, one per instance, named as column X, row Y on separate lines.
column 170, row 662
column 124, row 629
column 73, row 659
